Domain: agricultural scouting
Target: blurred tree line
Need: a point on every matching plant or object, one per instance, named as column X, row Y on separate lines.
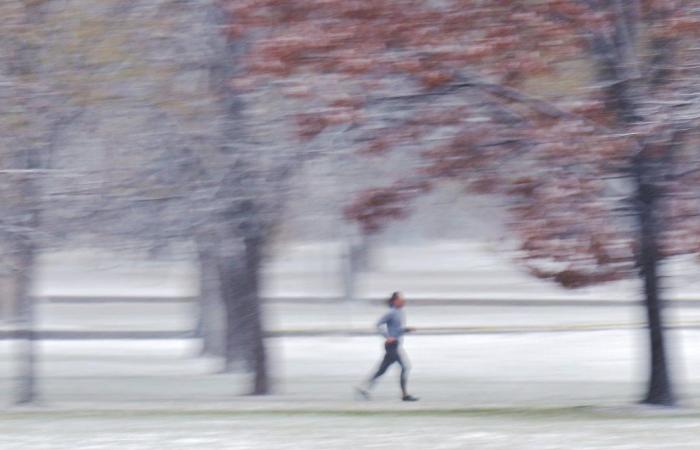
column 119, row 131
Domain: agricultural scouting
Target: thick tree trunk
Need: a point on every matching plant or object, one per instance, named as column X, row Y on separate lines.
column 659, row 390
column 211, row 323
column 245, row 344
column 25, row 378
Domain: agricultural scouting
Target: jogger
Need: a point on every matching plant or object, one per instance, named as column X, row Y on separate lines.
column 391, row 326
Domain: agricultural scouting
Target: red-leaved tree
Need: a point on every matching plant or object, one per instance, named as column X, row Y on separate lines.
column 583, row 114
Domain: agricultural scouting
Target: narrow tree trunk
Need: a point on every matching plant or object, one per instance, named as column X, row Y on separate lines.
column 617, row 67
column 25, row 378
column 659, row 390
column 349, row 269
column 211, row 323
column 258, row 355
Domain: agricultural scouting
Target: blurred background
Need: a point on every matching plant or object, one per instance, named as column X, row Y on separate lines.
column 204, row 207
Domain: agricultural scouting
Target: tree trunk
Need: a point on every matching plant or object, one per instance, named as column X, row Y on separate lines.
column 350, row 273
column 659, row 390
column 25, row 381
column 253, row 310
column 234, row 342
column 617, row 67
column 245, row 344
column 211, row 323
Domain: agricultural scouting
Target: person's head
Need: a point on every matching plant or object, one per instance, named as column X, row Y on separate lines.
column 396, row 300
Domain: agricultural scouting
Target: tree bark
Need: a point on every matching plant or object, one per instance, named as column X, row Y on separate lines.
column 25, row 378
column 659, row 389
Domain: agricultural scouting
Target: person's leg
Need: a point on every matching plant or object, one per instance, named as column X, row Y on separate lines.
column 404, row 374
column 405, row 367
column 390, row 357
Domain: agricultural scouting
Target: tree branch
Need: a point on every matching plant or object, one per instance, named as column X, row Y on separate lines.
column 541, row 106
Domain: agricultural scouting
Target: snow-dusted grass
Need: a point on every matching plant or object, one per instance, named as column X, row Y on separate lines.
column 342, row 431
column 550, row 369
column 499, row 391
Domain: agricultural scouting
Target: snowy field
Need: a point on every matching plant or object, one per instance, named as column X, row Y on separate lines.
column 493, row 431
column 566, row 390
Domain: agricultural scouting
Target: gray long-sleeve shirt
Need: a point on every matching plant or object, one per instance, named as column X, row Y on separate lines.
column 392, row 324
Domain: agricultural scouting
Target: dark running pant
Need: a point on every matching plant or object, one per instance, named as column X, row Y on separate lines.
column 391, row 355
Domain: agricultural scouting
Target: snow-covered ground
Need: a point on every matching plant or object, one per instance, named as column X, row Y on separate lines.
column 566, row 390
column 568, row 431
column 501, row 380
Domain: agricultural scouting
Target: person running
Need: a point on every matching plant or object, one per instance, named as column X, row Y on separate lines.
column 391, row 326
